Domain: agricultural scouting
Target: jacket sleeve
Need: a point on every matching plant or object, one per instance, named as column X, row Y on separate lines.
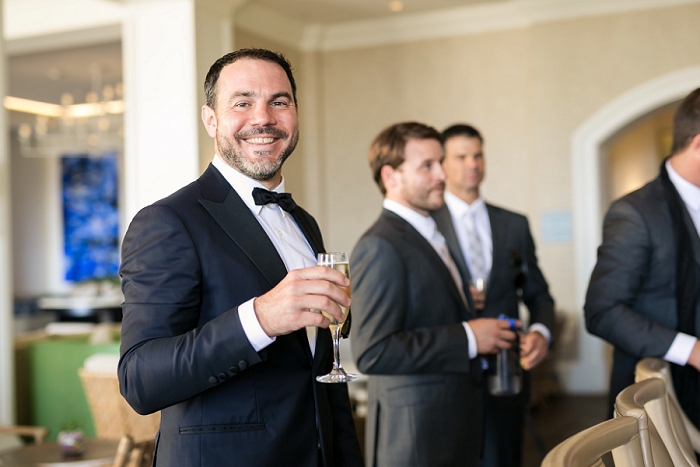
column 624, row 261
column 166, row 355
column 381, row 343
column 536, row 291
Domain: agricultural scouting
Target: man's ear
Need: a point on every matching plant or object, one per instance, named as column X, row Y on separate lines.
column 695, row 144
column 209, row 120
column 387, row 174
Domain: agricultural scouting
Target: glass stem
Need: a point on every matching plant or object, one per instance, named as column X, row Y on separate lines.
column 336, row 349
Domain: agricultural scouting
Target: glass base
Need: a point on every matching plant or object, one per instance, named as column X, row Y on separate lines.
column 336, row 376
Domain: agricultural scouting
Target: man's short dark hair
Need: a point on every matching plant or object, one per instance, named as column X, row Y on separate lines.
column 388, row 147
column 252, row 54
column 461, row 129
column 686, row 122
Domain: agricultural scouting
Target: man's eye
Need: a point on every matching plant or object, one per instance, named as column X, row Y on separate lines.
column 241, row 104
column 280, row 104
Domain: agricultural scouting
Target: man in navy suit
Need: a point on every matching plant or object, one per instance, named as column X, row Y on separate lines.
column 498, row 275
column 219, row 281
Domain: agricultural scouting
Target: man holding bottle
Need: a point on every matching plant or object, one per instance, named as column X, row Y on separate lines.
column 495, row 255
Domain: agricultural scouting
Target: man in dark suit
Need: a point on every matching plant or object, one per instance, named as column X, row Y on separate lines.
column 643, row 292
column 219, row 282
column 414, row 333
column 500, row 271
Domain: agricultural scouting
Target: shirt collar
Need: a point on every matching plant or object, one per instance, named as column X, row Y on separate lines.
column 690, row 194
column 244, row 185
column 459, row 208
column 425, row 225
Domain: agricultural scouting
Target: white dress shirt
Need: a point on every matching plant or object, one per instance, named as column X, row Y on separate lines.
column 462, row 214
column 285, row 235
column 425, row 225
column 682, row 345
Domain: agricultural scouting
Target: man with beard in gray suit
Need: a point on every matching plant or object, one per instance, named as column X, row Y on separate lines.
column 643, row 293
column 415, row 335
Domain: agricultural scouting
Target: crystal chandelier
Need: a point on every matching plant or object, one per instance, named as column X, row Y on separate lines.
column 94, row 127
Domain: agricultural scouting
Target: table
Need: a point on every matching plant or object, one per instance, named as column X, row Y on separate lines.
column 98, row 452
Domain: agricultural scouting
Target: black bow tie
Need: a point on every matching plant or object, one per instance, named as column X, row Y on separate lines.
column 263, row 197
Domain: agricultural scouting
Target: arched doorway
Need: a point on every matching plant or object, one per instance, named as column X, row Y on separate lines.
column 587, row 374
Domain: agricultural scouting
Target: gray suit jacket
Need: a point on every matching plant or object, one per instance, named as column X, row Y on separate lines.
column 425, row 404
column 631, row 298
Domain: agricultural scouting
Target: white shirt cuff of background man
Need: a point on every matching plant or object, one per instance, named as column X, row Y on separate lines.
column 541, row 328
column 680, row 349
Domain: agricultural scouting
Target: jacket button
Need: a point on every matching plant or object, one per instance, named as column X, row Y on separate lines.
column 242, row 364
column 213, row 380
column 233, row 370
column 223, row 376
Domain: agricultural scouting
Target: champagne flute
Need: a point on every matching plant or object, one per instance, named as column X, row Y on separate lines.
column 339, row 262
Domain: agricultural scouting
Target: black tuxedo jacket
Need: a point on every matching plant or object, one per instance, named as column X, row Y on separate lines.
column 188, row 262
column 425, row 400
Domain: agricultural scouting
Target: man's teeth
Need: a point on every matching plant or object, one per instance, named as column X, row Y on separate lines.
column 260, row 140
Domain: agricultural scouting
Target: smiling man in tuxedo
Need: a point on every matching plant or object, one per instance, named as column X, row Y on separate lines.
column 219, row 281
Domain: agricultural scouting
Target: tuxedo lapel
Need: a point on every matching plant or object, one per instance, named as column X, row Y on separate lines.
column 234, row 217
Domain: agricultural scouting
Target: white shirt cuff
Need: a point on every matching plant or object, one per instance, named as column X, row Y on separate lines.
column 251, row 326
column 680, row 349
column 471, row 340
column 542, row 329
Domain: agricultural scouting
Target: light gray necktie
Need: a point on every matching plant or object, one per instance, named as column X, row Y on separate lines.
column 477, row 259
column 440, row 246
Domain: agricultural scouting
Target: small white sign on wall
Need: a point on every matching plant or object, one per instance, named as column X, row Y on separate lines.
column 556, row 227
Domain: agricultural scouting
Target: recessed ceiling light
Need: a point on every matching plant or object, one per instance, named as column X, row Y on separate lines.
column 396, row 6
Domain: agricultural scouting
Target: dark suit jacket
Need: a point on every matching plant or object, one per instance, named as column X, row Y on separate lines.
column 188, row 261
column 424, row 405
column 509, row 232
column 631, row 298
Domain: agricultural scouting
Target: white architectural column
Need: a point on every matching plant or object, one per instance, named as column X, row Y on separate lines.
column 7, row 387
column 166, row 44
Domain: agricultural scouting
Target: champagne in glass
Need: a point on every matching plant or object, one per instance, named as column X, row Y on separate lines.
column 339, row 262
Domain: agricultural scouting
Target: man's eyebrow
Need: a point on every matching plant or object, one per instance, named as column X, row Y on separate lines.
column 277, row 95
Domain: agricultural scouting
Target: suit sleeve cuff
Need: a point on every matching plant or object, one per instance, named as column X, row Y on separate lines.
column 471, row 340
column 680, row 349
column 251, row 326
column 542, row 329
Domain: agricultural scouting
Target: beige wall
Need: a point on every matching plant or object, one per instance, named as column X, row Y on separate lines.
column 527, row 90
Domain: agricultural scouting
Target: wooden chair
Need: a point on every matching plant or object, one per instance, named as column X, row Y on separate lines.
column 679, row 434
column 585, row 449
column 635, row 401
column 132, row 453
column 11, row 436
column 112, row 415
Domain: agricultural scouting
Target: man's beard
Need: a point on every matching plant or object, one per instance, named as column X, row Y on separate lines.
column 265, row 167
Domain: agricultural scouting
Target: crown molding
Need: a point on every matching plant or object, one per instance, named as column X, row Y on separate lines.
column 402, row 28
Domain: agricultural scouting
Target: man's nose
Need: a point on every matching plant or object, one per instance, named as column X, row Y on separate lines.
column 262, row 115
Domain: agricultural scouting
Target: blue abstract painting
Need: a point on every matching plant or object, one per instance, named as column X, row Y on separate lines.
column 91, row 216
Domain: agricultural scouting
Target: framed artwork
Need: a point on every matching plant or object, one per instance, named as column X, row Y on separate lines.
column 91, row 216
